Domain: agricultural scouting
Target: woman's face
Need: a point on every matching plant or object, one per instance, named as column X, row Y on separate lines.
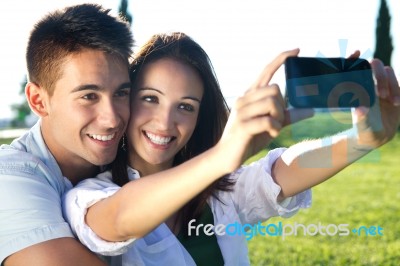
column 164, row 111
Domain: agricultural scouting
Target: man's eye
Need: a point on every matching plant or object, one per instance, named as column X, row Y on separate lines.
column 186, row 107
column 123, row 93
column 90, row 96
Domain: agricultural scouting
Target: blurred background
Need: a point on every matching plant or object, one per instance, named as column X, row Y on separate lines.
column 241, row 37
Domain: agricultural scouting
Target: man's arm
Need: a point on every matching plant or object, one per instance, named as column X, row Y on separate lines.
column 32, row 228
column 65, row 251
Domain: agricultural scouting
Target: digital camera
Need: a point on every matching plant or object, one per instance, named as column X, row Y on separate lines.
column 317, row 82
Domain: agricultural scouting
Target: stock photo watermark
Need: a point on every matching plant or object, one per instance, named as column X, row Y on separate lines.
column 333, row 86
column 283, row 230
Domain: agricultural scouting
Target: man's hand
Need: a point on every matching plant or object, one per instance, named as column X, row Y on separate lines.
column 65, row 251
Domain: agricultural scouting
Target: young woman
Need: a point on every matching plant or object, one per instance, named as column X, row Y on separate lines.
column 177, row 118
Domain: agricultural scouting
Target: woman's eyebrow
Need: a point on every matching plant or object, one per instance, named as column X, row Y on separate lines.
column 162, row 93
column 191, row 98
column 150, row 89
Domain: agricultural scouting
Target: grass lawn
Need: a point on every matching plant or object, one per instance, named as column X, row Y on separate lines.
column 5, row 141
column 366, row 193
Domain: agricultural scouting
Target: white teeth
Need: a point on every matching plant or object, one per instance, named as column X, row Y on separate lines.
column 102, row 137
column 158, row 139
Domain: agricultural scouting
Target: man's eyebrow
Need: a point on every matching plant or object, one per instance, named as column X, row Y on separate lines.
column 126, row 85
column 87, row 87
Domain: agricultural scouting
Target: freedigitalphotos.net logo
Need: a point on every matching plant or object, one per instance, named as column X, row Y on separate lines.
column 353, row 84
column 282, row 230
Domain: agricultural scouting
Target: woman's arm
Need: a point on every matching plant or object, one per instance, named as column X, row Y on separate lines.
column 141, row 205
column 309, row 163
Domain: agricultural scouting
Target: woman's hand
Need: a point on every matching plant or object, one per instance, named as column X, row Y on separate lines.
column 312, row 162
column 378, row 124
column 258, row 116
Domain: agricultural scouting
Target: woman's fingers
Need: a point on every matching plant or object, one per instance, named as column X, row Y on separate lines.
column 394, row 89
column 265, row 102
column 267, row 107
column 263, row 124
column 272, row 67
column 262, row 106
column 386, row 82
column 381, row 78
column 255, row 95
column 294, row 115
column 356, row 54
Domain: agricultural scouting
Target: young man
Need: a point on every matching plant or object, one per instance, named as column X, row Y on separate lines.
column 79, row 86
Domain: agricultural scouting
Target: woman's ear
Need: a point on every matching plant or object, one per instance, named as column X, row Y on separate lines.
column 36, row 97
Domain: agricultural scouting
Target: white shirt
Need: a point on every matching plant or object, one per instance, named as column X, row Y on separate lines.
column 253, row 200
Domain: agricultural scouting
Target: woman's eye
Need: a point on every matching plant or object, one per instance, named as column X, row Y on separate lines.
column 186, row 107
column 150, row 99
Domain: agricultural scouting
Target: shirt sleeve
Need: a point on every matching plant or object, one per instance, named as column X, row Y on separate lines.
column 255, row 192
column 30, row 207
column 75, row 205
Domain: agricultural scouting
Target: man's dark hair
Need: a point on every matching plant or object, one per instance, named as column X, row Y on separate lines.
column 72, row 30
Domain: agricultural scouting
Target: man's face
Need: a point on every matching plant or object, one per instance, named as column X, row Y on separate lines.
column 88, row 111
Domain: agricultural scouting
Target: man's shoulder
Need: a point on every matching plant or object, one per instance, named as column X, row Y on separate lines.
column 18, row 150
column 14, row 160
column 30, row 144
column 19, row 165
column 23, row 154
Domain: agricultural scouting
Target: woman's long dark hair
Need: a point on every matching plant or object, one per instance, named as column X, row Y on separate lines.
column 213, row 113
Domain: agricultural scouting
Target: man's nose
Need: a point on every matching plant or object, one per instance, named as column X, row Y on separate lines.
column 108, row 114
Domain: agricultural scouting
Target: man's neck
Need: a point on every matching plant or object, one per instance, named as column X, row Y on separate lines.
column 75, row 174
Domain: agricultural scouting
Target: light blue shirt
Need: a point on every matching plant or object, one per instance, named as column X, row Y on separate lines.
column 31, row 189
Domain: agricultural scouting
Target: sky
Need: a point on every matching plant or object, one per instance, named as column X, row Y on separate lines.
column 240, row 37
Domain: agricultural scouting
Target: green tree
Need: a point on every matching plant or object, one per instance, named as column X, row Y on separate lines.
column 21, row 110
column 123, row 11
column 384, row 46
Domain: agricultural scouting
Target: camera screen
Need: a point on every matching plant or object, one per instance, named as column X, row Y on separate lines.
column 329, row 82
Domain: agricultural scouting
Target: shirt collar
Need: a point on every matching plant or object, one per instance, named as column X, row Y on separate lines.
column 133, row 174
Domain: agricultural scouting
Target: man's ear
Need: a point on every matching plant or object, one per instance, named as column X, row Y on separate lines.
column 37, row 98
